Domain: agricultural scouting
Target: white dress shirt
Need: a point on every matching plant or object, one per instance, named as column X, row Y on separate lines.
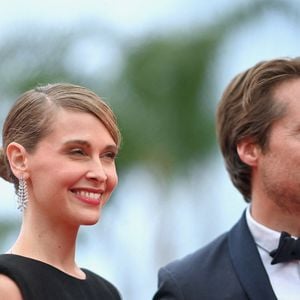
column 284, row 277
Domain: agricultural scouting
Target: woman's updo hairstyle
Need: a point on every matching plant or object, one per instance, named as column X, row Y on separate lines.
column 31, row 117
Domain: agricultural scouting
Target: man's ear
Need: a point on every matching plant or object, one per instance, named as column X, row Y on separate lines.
column 17, row 157
column 248, row 151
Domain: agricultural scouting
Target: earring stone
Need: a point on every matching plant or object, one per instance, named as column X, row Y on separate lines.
column 22, row 195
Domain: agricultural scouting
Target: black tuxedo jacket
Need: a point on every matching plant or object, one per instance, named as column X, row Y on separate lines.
column 228, row 268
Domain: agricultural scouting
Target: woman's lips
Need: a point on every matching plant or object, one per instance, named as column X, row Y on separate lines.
column 92, row 198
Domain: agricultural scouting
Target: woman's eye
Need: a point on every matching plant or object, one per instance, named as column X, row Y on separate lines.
column 77, row 151
column 109, row 155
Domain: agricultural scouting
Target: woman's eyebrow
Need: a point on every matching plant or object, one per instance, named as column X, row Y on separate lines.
column 86, row 144
column 78, row 142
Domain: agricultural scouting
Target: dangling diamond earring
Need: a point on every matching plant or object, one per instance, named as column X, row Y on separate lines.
column 22, row 194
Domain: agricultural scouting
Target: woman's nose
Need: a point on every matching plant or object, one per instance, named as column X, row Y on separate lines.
column 96, row 171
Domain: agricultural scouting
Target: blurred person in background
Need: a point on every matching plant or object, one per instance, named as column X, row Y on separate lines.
column 258, row 128
column 60, row 142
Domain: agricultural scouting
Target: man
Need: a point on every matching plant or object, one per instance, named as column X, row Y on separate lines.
column 258, row 127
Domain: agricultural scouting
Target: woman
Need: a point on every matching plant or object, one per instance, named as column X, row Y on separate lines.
column 59, row 147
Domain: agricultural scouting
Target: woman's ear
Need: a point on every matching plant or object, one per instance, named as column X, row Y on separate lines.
column 17, row 157
column 248, row 151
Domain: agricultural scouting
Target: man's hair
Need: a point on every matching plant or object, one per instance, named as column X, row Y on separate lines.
column 247, row 110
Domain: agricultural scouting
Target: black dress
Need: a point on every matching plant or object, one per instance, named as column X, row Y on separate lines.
column 40, row 281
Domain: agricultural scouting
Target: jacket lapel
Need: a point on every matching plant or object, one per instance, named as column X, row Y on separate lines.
column 247, row 263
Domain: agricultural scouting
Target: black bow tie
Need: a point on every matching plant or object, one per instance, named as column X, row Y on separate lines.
column 288, row 249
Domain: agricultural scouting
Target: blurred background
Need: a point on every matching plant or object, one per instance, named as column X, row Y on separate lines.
column 162, row 65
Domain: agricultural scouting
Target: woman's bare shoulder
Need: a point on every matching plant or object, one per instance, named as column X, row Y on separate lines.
column 9, row 289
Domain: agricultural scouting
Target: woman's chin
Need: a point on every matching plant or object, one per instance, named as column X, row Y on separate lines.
column 90, row 221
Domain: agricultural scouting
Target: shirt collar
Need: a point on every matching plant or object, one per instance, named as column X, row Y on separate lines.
column 264, row 237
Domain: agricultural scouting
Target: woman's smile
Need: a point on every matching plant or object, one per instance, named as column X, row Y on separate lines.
column 92, row 198
column 79, row 158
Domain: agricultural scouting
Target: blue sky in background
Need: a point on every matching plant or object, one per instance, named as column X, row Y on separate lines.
column 131, row 18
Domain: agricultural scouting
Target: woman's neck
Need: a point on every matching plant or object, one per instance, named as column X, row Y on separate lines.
column 49, row 242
